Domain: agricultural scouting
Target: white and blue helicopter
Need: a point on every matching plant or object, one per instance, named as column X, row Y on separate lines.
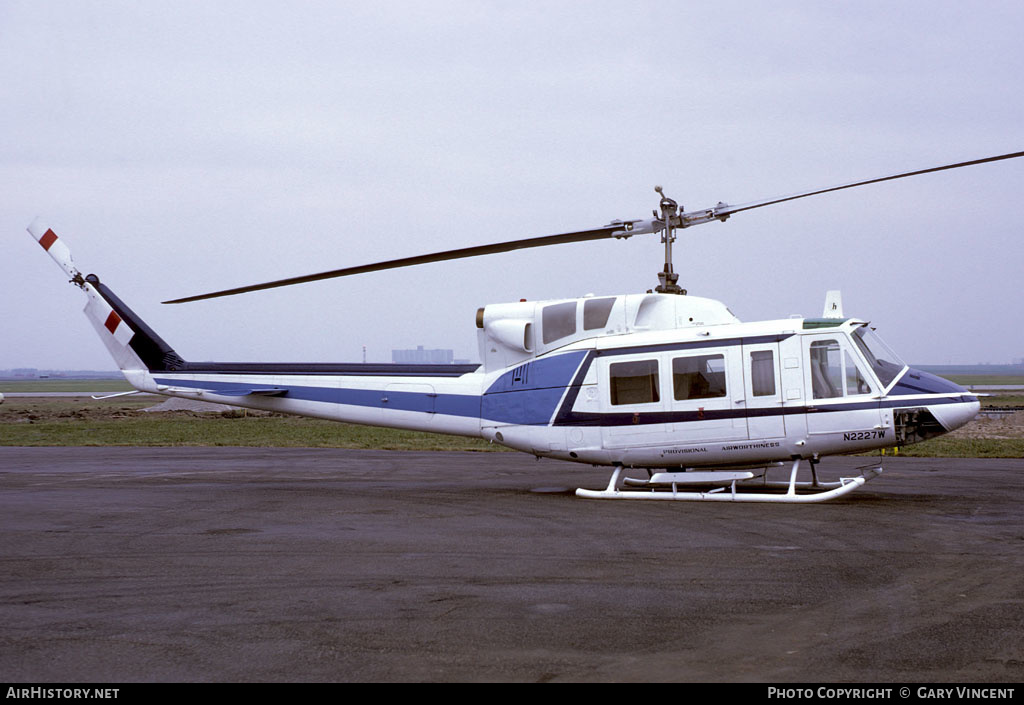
column 661, row 382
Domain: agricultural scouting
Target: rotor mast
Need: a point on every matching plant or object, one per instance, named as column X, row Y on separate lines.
column 669, row 220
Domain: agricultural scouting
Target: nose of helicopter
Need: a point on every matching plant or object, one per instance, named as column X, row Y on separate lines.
column 952, row 413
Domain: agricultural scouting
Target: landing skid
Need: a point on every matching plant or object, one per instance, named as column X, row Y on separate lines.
column 733, row 487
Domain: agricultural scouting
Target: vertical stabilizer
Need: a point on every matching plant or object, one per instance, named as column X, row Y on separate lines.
column 134, row 346
column 148, row 347
column 113, row 331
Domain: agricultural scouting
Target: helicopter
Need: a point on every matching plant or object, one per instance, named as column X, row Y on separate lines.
column 663, row 384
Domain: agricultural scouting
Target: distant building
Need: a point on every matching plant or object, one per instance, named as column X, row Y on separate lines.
column 420, row 356
column 33, row 373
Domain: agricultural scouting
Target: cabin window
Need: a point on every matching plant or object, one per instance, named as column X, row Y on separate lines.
column 558, row 321
column 634, row 382
column 596, row 312
column 698, row 377
column 762, row 373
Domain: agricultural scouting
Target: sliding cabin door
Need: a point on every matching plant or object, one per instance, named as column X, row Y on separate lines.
column 706, row 397
column 633, row 403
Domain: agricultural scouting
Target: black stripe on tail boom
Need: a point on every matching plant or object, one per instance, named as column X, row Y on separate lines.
column 158, row 356
column 154, row 352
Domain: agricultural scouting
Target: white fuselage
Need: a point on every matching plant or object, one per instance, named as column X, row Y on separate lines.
column 723, row 393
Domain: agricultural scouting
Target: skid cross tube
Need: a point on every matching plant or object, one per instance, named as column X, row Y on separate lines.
column 739, row 490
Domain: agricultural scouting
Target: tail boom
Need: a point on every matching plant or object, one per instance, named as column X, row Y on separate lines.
column 400, row 396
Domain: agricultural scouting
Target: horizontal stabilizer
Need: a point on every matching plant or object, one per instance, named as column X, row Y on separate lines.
column 257, row 391
column 233, row 391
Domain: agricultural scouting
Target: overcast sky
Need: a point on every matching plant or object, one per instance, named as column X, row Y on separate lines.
column 186, row 147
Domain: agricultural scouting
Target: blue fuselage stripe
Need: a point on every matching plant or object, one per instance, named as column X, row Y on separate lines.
column 532, row 393
column 467, row 405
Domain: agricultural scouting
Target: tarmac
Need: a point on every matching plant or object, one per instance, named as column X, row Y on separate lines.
column 247, row 564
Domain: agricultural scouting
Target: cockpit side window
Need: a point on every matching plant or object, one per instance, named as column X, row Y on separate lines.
column 834, row 372
column 826, row 369
column 855, row 382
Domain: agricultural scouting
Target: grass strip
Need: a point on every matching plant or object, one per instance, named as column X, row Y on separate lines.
column 183, row 429
column 214, row 430
column 962, row 448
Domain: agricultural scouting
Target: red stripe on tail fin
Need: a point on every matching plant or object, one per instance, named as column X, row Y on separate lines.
column 112, row 322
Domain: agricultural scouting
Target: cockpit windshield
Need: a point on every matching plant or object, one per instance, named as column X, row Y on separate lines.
column 882, row 359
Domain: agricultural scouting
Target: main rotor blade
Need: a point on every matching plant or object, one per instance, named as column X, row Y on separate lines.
column 615, row 229
column 729, row 210
column 579, row 236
